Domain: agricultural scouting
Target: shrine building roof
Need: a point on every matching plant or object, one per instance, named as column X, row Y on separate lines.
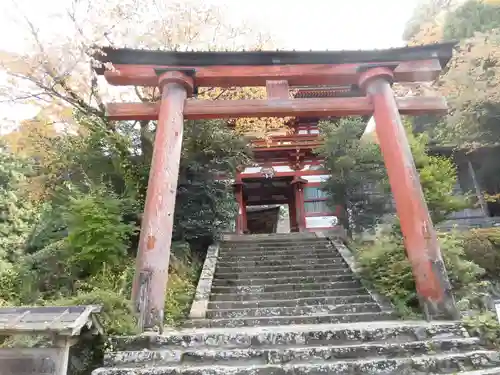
column 441, row 51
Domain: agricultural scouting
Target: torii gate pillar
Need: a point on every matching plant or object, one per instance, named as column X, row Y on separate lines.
column 420, row 239
column 151, row 277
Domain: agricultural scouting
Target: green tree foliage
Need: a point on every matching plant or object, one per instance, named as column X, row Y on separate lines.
column 354, row 168
column 17, row 213
column 358, row 179
column 438, row 177
column 205, row 204
column 471, row 17
column 97, row 234
column 81, row 244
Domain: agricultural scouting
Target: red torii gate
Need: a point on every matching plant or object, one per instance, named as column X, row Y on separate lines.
column 179, row 74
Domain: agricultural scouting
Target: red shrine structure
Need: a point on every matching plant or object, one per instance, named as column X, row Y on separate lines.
column 327, row 84
column 288, row 173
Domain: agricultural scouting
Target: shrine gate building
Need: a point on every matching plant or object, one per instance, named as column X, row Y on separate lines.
column 289, row 172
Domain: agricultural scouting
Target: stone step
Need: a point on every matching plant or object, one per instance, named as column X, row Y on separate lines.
column 286, row 355
column 340, row 270
column 275, row 251
column 275, row 241
column 298, row 264
column 444, row 363
column 294, row 335
column 225, row 268
column 491, row 371
column 287, row 320
column 311, row 301
column 284, row 242
column 280, row 256
column 251, row 289
column 285, row 257
column 289, row 295
column 283, row 280
column 331, row 259
column 351, row 308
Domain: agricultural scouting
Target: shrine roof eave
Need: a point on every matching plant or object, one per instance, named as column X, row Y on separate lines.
column 290, row 148
column 129, row 56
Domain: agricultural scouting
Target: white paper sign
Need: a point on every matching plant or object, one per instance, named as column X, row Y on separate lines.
column 497, row 308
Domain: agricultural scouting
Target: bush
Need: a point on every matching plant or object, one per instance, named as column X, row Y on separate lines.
column 183, row 277
column 117, row 316
column 385, row 266
column 485, row 326
column 482, row 246
column 97, row 234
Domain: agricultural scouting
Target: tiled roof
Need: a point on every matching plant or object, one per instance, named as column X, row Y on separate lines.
column 442, row 51
column 325, row 92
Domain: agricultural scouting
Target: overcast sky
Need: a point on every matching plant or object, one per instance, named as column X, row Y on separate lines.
column 329, row 24
column 310, row 24
column 301, row 25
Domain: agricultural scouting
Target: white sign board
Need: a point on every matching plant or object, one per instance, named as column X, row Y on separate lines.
column 497, row 308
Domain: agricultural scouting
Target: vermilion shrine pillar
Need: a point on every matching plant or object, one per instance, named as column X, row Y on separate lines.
column 422, row 247
column 153, row 257
column 241, row 218
column 292, row 211
column 298, row 190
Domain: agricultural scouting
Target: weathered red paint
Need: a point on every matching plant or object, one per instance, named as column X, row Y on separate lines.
column 241, row 222
column 251, row 75
column 318, row 107
column 420, row 238
column 292, row 209
column 298, row 184
column 151, row 242
column 244, row 215
column 158, row 219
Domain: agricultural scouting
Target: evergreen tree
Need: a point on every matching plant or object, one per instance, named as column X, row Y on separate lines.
column 205, row 203
column 17, row 213
column 358, row 180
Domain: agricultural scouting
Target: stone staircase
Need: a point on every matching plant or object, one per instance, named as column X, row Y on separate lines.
column 290, row 305
column 281, row 280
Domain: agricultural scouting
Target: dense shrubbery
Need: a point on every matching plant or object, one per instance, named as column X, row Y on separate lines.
column 482, row 246
column 78, row 243
column 385, row 265
column 471, row 259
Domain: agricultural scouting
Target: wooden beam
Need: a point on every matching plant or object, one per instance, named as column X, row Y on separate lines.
column 277, row 90
column 324, row 107
column 418, row 71
column 309, row 146
column 296, row 75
